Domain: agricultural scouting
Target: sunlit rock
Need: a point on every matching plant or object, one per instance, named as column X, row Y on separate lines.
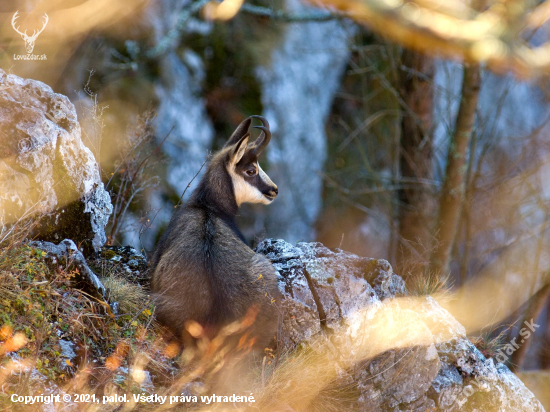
column 397, row 352
column 45, row 169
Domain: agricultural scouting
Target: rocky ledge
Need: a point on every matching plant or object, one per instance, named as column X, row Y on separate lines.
column 398, row 353
column 351, row 338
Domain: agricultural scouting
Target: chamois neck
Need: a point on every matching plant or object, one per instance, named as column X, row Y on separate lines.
column 215, row 192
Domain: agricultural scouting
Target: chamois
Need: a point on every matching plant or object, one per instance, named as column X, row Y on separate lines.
column 203, row 271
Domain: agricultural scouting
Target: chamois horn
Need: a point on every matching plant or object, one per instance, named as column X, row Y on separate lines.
column 264, row 138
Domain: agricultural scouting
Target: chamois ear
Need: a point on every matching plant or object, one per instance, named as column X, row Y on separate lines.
column 238, row 151
column 239, row 132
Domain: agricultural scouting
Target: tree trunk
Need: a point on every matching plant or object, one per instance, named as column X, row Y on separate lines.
column 415, row 161
column 452, row 192
column 544, row 353
column 531, row 314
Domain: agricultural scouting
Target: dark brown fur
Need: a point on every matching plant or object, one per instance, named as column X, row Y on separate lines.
column 202, row 268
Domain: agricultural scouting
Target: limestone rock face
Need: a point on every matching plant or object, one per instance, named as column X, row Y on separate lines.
column 45, row 169
column 397, row 352
column 298, row 88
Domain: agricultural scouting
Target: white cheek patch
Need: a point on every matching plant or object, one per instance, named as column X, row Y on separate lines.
column 245, row 192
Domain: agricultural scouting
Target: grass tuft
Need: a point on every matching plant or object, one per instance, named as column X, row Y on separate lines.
column 130, row 297
column 428, row 284
column 488, row 344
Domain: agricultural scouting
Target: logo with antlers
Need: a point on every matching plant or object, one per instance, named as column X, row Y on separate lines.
column 29, row 40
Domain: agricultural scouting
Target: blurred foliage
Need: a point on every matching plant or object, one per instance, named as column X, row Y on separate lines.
column 498, row 32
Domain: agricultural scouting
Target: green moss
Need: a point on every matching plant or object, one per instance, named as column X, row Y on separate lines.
column 108, row 254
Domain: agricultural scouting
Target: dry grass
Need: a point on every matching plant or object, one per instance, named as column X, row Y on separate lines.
column 134, row 172
column 39, row 308
column 131, row 298
column 428, row 284
column 488, row 344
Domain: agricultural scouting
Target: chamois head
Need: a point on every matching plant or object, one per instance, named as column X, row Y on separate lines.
column 250, row 183
column 233, row 175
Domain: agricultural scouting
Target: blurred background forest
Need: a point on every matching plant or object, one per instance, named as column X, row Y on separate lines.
column 416, row 132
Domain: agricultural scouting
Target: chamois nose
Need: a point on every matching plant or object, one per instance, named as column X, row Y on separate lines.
column 273, row 192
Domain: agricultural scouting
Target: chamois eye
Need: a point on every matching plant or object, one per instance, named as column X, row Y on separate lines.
column 251, row 172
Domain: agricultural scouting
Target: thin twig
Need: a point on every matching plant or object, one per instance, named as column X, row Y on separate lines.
column 366, row 125
column 189, row 184
column 123, row 200
column 152, row 153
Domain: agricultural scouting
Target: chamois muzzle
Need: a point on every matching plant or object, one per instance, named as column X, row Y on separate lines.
column 271, row 193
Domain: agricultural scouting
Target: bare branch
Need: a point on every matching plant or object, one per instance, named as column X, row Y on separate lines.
column 314, row 15
column 194, row 177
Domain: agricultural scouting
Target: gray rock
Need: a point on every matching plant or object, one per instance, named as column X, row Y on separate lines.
column 67, row 349
column 538, row 382
column 45, row 169
column 338, row 286
column 66, row 356
column 67, row 254
column 479, row 384
column 409, row 383
column 341, row 284
column 125, row 261
column 400, row 353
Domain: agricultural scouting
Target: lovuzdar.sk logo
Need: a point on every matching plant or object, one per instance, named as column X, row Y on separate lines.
column 29, row 40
